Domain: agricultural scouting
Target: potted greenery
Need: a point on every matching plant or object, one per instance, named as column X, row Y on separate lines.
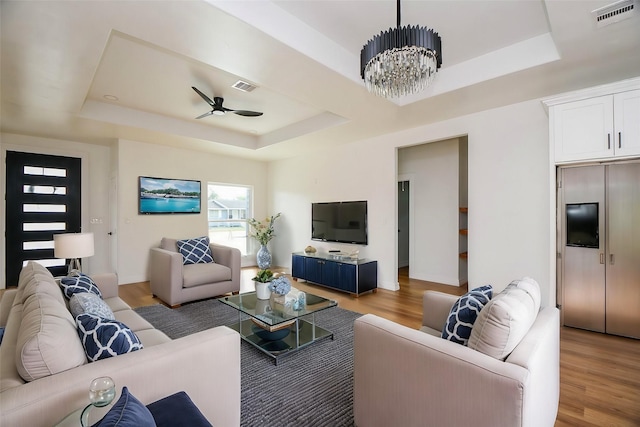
column 262, row 279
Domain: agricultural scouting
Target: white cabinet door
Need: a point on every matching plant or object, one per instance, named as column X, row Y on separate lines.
column 626, row 109
column 583, row 129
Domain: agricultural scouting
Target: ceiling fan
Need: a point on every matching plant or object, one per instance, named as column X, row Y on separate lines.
column 219, row 110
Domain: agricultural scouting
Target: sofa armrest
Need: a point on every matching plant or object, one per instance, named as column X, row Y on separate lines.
column 165, row 275
column 107, row 283
column 435, row 308
column 405, row 377
column 205, row 365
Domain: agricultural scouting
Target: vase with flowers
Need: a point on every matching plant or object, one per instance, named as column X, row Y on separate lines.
column 263, row 232
column 262, row 280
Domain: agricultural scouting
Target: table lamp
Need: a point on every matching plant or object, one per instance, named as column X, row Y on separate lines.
column 73, row 246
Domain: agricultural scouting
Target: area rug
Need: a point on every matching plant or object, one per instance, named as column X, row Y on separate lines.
column 310, row 387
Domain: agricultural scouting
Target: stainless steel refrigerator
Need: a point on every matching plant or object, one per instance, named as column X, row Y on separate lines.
column 599, row 247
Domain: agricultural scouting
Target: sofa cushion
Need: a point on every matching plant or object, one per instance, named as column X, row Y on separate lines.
column 89, row 303
column 26, row 275
column 201, row 274
column 531, row 287
column 195, row 251
column 127, row 412
column 464, row 313
column 503, row 322
column 78, row 284
column 102, row 338
column 45, row 329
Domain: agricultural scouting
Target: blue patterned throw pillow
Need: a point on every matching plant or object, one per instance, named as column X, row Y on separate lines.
column 102, row 338
column 195, row 251
column 89, row 303
column 78, row 284
column 464, row 313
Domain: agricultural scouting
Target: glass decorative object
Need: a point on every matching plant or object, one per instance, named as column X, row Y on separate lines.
column 102, row 391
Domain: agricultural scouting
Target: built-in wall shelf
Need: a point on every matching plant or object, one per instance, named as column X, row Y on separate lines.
column 462, row 247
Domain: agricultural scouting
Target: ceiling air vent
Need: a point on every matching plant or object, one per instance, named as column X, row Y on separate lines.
column 614, row 12
column 243, row 86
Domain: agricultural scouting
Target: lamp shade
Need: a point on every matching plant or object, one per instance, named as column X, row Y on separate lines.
column 73, row 245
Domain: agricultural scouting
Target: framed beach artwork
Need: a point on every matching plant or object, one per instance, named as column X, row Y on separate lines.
column 168, row 196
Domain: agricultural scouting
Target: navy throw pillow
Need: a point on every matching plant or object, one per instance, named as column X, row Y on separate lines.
column 177, row 410
column 78, row 284
column 102, row 338
column 195, row 251
column 127, row 412
column 464, row 313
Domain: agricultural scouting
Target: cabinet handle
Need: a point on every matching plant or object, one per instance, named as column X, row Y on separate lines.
column 601, row 258
column 619, row 139
column 611, row 259
column 608, row 141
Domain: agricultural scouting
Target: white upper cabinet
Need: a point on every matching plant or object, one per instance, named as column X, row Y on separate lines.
column 599, row 123
column 626, row 123
column 583, row 129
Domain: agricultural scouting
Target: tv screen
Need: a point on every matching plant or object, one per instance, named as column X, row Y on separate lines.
column 168, row 196
column 582, row 225
column 344, row 222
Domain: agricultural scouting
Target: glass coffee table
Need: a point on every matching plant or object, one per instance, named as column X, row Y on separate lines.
column 274, row 328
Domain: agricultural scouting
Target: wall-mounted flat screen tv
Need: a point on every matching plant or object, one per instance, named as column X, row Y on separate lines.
column 582, row 225
column 168, row 196
column 344, row 222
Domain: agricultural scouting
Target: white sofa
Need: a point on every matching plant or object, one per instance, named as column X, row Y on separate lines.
column 408, row 377
column 205, row 365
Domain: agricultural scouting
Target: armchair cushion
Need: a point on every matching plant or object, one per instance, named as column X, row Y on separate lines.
column 198, row 274
column 78, row 284
column 195, row 251
column 464, row 313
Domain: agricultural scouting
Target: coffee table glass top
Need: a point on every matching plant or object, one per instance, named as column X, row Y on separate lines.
column 272, row 313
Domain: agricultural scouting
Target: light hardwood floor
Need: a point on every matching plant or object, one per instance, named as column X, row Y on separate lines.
column 600, row 374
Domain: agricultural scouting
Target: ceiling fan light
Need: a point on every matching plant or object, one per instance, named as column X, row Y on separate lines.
column 218, row 112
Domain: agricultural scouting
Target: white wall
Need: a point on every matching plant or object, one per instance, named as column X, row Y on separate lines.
column 95, row 185
column 435, row 192
column 110, row 194
column 137, row 233
column 508, row 194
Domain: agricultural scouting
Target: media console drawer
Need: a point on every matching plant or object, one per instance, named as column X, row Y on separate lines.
column 353, row 276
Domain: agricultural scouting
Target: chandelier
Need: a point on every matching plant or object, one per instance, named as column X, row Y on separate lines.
column 401, row 60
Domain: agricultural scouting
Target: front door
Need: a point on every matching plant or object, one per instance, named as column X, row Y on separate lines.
column 42, row 199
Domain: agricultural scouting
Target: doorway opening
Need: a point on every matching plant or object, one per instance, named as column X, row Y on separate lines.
column 432, row 196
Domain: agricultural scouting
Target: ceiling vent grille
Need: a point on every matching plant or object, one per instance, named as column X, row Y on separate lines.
column 243, row 86
column 615, row 12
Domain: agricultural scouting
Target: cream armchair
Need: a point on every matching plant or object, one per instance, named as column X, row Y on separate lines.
column 409, row 377
column 175, row 283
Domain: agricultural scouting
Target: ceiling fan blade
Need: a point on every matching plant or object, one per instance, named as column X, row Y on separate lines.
column 205, row 114
column 205, row 97
column 246, row 113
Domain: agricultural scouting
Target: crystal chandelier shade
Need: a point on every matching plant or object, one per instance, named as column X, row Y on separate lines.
column 400, row 61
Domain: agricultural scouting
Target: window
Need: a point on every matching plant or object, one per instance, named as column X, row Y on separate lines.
column 228, row 207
